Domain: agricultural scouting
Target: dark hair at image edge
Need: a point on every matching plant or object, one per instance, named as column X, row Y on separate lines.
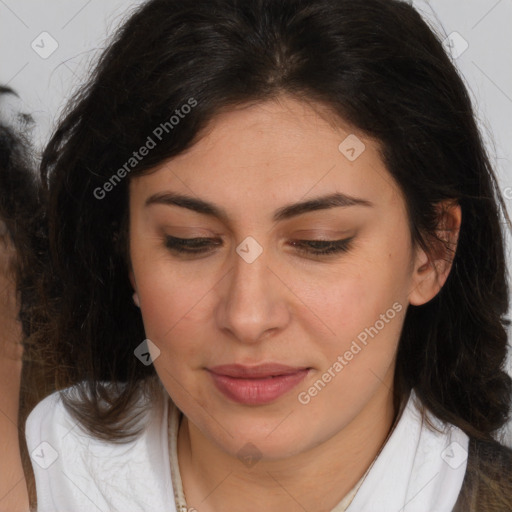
column 18, row 191
column 20, row 212
column 374, row 64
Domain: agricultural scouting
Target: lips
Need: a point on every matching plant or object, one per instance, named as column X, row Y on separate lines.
column 256, row 385
column 239, row 371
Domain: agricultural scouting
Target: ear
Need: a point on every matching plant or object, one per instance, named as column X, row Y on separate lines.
column 431, row 270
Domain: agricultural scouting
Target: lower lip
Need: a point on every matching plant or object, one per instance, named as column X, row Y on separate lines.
column 257, row 391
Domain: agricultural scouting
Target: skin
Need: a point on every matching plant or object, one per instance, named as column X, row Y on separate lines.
column 13, row 489
column 286, row 306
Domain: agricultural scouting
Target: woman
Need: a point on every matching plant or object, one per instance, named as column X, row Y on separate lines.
column 277, row 270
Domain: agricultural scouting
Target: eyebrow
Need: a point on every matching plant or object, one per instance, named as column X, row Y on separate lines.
column 286, row 212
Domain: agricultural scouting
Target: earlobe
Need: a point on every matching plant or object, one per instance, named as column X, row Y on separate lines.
column 431, row 270
column 136, row 299
column 426, row 284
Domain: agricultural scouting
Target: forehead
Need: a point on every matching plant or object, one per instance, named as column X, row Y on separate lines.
column 273, row 153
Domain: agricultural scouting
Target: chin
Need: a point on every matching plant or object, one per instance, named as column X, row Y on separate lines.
column 270, row 439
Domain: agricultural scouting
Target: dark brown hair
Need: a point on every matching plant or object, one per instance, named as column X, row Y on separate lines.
column 20, row 211
column 375, row 64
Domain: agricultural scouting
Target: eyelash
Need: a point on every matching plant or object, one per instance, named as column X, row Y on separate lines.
column 311, row 247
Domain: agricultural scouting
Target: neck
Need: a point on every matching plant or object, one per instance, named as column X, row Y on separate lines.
column 316, row 479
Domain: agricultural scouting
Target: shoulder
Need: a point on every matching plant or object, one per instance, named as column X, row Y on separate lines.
column 488, row 481
column 69, row 463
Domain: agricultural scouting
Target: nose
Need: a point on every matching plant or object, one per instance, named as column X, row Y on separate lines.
column 253, row 301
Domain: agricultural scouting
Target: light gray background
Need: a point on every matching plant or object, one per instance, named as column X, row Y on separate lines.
column 481, row 48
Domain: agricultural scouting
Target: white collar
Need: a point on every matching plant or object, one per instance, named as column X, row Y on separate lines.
column 418, row 470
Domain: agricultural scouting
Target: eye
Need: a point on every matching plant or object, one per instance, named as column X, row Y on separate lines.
column 191, row 245
column 322, row 247
column 311, row 247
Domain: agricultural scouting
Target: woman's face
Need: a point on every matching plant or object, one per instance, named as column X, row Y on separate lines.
column 254, row 299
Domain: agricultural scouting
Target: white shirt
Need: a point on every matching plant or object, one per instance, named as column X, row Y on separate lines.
column 75, row 472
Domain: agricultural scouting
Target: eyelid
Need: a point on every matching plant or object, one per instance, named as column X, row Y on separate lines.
column 320, row 234
column 189, row 232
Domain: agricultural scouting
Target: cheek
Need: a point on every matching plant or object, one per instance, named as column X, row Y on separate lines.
column 164, row 306
column 366, row 314
column 176, row 309
column 364, row 306
column 349, row 300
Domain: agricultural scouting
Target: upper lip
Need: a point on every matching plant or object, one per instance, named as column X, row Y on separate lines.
column 254, row 372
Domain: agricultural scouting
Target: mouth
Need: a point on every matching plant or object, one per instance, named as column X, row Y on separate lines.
column 256, row 385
